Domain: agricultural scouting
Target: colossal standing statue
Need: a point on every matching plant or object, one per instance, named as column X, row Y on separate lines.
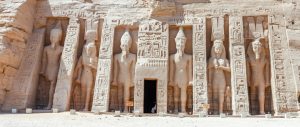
column 86, row 66
column 51, row 60
column 258, row 74
column 217, row 65
column 180, row 72
column 124, row 68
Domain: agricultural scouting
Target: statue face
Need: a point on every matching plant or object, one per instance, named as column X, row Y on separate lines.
column 54, row 37
column 90, row 36
column 256, row 47
column 124, row 47
column 218, row 49
column 180, row 43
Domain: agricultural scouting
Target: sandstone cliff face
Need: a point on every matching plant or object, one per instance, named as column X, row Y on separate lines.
column 16, row 23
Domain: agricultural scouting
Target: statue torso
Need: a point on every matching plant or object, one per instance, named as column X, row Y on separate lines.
column 125, row 67
column 181, row 69
column 53, row 61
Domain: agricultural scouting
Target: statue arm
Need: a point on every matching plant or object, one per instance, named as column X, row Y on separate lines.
column 115, row 70
column 248, row 72
column 44, row 62
column 210, row 69
column 210, row 76
column 133, row 70
column 226, row 67
column 171, row 67
column 77, row 72
column 267, row 74
column 190, row 70
column 95, row 58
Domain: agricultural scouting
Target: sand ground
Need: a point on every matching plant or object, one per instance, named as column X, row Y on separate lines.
column 65, row 119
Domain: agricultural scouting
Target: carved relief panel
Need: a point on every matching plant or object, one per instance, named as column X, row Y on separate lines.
column 240, row 99
column 103, row 75
column 283, row 89
column 152, row 62
column 63, row 90
column 200, row 90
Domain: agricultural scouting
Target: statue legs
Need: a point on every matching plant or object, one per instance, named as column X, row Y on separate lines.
column 180, row 95
column 126, row 97
column 260, row 89
column 219, row 96
column 86, row 90
column 261, row 98
column 51, row 94
column 176, row 98
column 183, row 99
column 120, row 96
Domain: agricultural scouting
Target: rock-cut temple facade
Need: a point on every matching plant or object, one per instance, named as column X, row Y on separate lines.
column 151, row 56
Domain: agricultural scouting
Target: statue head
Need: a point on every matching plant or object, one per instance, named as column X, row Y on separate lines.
column 218, row 49
column 255, row 49
column 256, row 45
column 126, row 42
column 217, row 35
column 180, row 41
column 56, row 35
column 90, row 36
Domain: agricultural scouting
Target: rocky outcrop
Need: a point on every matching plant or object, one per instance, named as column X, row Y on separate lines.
column 16, row 24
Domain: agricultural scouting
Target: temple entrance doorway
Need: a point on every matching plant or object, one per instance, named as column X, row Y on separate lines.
column 150, row 96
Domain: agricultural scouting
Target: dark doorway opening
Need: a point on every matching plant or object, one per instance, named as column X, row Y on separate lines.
column 150, row 96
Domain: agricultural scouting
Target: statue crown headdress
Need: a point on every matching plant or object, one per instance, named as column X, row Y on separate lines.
column 57, row 29
column 180, row 33
column 126, row 38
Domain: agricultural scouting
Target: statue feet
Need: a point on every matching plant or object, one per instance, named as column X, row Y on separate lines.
column 262, row 113
column 48, row 107
column 85, row 109
column 176, row 111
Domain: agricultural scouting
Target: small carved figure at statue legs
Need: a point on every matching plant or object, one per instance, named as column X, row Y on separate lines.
column 176, row 99
column 183, row 98
column 51, row 94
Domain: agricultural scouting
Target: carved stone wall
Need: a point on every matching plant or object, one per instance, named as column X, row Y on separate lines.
column 152, row 62
column 240, row 99
column 16, row 27
column 200, row 95
column 103, row 76
column 23, row 90
column 21, row 39
column 63, row 88
column 283, row 88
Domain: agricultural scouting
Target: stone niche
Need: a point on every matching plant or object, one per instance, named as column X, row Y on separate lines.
column 259, row 25
column 117, row 91
column 188, row 31
column 43, row 87
column 77, row 98
column 224, row 28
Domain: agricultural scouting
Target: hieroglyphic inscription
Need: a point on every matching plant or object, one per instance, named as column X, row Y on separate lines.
column 20, row 96
column 103, row 76
column 240, row 102
column 200, row 97
column 153, row 44
column 283, row 90
column 62, row 93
